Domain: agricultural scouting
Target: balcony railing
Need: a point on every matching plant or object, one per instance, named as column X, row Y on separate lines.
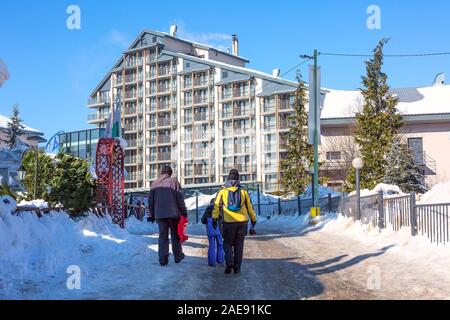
column 240, row 93
column 285, row 105
column 164, row 71
column 150, row 108
column 130, row 95
column 130, row 79
column 201, row 116
column 238, row 112
column 97, row 116
column 163, row 139
column 164, row 122
column 131, row 127
column 200, row 100
column 101, row 100
column 269, row 108
column 163, row 88
column 241, row 149
column 284, row 124
column 130, row 64
column 164, row 156
column 130, row 111
column 164, row 105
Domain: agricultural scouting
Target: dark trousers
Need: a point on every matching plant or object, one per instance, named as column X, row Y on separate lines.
column 233, row 242
column 164, row 226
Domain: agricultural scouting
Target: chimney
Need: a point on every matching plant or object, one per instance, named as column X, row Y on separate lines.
column 235, row 47
column 276, row 72
column 173, row 30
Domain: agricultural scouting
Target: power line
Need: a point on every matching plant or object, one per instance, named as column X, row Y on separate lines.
column 386, row 55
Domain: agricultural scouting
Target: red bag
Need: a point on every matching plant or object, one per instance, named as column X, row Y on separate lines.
column 182, row 226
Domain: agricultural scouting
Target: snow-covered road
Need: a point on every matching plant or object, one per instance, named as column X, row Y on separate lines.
column 286, row 260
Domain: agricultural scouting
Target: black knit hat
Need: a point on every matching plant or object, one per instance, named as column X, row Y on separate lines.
column 233, row 175
column 166, row 170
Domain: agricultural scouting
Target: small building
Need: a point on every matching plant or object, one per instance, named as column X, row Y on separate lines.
column 426, row 130
column 10, row 160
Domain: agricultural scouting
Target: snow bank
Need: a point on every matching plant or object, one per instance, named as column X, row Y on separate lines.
column 388, row 190
column 440, row 193
column 39, row 203
column 39, row 250
column 323, row 192
column 203, row 200
column 400, row 241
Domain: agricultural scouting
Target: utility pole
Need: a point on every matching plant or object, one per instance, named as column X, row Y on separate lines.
column 315, row 211
column 316, row 136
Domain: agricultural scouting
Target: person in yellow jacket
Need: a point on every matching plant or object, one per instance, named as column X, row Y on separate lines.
column 234, row 206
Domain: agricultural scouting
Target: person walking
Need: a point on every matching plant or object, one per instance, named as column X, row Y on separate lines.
column 215, row 241
column 234, row 205
column 166, row 205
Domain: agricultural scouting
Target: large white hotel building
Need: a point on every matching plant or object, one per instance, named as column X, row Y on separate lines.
column 197, row 109
column 201, row 111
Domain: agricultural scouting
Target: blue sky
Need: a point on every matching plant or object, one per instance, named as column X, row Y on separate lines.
column 54, row 69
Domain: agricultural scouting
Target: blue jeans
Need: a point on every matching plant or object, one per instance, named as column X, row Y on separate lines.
column 215, row 250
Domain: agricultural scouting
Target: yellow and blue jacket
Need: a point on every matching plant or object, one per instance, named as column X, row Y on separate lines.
column 246, row 211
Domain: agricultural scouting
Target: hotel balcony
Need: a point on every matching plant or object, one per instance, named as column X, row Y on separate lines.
column 285, row 105
column 130, row 79
column 130, row 64
column 163, row 139
column 164, row 156
column 241, row 149
column 200, row 100
column 240, row 94
column 269, row 108
column 94, row 102
column 97, row 117
column 164, row 122
column 203, row 82
column 130, row 95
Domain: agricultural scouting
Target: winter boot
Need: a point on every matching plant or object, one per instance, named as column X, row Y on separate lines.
column 228, row 269
column 180, row 258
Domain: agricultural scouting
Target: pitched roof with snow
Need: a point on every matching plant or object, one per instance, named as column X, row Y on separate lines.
column 4, row 124
column 411, row 101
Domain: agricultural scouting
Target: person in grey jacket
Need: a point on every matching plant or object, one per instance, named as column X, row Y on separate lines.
column 166, row 204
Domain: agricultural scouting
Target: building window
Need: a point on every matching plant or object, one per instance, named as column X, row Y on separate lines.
column 416, row 147
column 334, row 155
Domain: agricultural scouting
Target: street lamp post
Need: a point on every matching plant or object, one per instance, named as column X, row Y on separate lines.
column 358, row 163
column 311, row 172
column 21, row 172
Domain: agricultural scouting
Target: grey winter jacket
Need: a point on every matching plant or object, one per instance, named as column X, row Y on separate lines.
column 166, row 199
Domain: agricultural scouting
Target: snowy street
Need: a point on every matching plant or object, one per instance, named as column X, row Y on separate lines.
column 287, row 259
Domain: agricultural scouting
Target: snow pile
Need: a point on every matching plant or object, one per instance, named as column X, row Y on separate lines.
column 401, row 241
column 440, row 193
column 39, row 250
column 203, row 200
column 39, row 203
column 323, row 192
column 388, row 190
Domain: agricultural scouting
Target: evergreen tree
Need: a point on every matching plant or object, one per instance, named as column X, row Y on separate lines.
column 15, row 128
column 299, row 155
column 402, row 171
column 64, row 180
column 377, row 123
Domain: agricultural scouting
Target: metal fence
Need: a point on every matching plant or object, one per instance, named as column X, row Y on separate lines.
column 277, row 206
column 398, row 212
column 432, row 220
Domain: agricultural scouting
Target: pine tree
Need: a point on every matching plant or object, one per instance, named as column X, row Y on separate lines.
column 299, row 155
column 402, row 170
column 377, row 123
column 15, row 128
